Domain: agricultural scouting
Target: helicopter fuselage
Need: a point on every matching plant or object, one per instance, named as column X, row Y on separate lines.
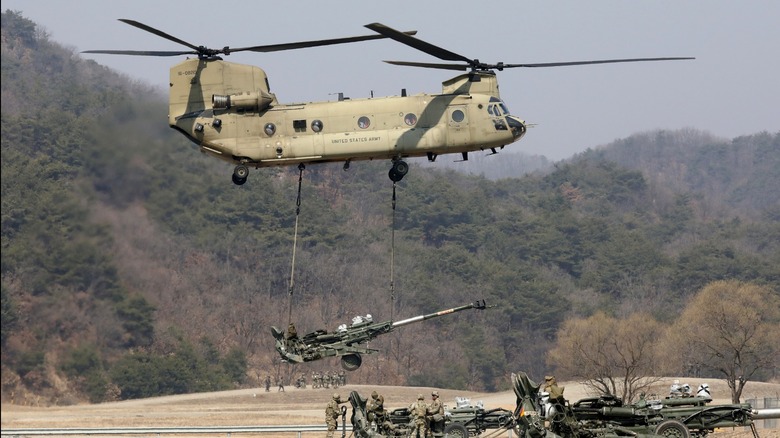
column 228, row 110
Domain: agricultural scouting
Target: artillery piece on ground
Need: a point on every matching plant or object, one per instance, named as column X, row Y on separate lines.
column 683, row 417
column 346, row 340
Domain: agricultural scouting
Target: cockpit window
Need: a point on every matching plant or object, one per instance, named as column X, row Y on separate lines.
column 497, row 107
column 497, row 110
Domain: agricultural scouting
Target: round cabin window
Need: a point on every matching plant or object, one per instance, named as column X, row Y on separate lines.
column 316, row 125
column 410, row 119
column 270, row 129
column 458, row 116
column 364, row 122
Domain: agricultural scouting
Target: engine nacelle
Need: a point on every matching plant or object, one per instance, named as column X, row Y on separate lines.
column 254, row 100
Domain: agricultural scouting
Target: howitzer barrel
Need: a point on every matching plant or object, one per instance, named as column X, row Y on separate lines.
column 766, row 414
column 475, row 305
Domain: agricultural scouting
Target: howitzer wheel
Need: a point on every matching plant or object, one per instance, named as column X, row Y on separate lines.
column 673, row 429
column 456, row 430
column 351, row 362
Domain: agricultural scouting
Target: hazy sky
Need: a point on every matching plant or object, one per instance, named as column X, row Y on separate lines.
column 731, row 89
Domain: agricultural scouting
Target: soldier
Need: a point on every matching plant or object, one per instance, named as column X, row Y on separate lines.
column 292, row 337
column 556, row 392
column 342, row 377
column 418, row 410
column 267, row 383
column 315, row 378
column 376, row 408
column 332, row 413
column 435, row 416
column 280, row 382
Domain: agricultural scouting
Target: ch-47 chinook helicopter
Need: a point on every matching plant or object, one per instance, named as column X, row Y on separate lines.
column 229, row 111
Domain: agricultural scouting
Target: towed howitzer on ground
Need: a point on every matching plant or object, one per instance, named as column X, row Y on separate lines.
column 534, row 419
column 684, row 417
column 694, row 414
column 460, row 422
column 346, row 340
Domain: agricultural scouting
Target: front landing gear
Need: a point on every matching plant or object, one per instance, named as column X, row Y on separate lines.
column 398, row 171
column 240, row 173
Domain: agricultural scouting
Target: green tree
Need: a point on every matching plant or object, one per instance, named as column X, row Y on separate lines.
column 235, row 365
column 9, row 317
column 137, row 316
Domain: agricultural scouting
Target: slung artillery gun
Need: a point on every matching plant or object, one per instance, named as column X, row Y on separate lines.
column 346, row 340
column 682, row 417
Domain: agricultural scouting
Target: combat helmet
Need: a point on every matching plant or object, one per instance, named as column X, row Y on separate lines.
column 374, row 395
column 420, row 397
column 336, row 396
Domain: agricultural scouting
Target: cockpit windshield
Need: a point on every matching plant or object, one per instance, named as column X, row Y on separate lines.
column 497, row 107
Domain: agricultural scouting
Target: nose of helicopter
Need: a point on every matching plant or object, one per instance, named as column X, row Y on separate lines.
column 517, row 126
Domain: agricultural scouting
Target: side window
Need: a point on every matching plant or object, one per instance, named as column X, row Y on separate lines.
column 458, row 116
column 270, row 129
column 316, row 125
column 410, row 119
column 364, row 122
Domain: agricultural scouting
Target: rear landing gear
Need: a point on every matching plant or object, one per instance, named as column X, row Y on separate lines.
column 240, row 173
column 398, row 171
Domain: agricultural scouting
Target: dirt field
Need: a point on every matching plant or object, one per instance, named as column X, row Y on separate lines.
column 247, row 407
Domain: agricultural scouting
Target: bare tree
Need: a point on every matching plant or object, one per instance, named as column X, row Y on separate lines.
column 612, row 356
column 730, row 327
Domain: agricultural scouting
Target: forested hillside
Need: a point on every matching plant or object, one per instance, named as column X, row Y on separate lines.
column 132, row 266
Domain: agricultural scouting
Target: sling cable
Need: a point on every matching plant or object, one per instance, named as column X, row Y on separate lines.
column 392, row 257
column 291, row 287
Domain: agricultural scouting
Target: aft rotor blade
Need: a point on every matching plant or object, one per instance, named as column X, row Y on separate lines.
column 205, row 52
column 441, row 66
column 316, row 43
column 141, row 52
column 418, row 44
column 160, row 34
column 602, row 61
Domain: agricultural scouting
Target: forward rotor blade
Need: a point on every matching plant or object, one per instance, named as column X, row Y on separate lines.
column 603, row 61
column 418, row 44
column 316, row 43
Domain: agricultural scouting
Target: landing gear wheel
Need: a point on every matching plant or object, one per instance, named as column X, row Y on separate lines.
column 455, row 430
column 238, row 181
column 673, row 429
column 398, row 171
column 241, row 172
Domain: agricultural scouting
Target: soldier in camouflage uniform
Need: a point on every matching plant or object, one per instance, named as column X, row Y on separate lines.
column 435, row 416
column 332, row 413
column 556, row 392
column 418, row 411
column 375, row 410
